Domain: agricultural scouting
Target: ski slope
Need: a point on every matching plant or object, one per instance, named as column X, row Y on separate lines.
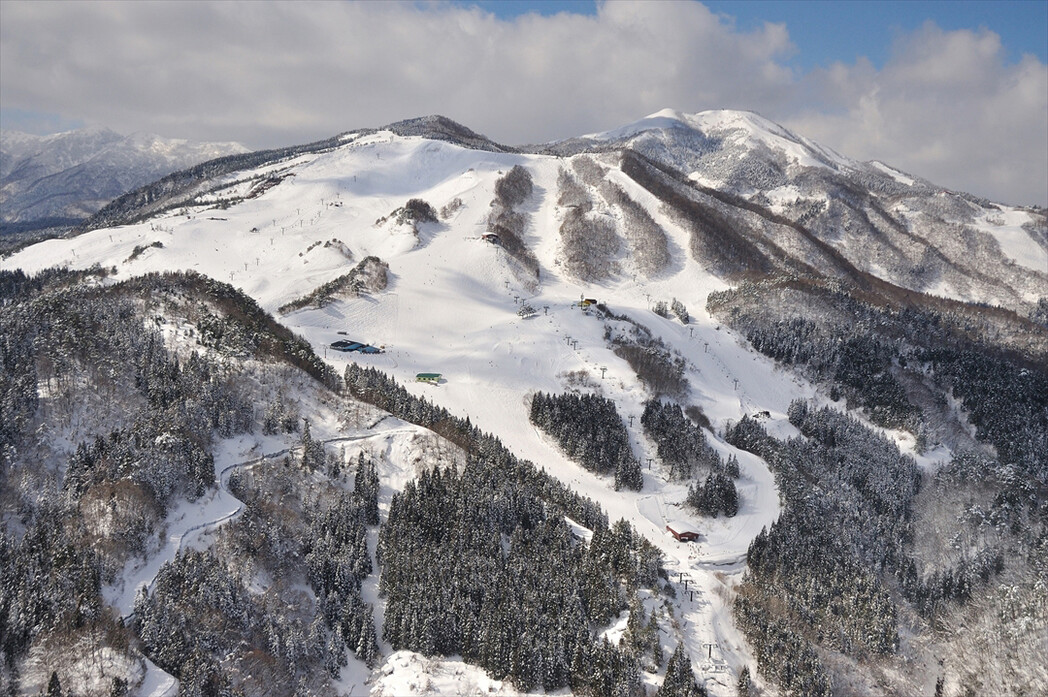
column 451, row 307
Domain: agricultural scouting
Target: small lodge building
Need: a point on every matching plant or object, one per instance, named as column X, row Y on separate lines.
column 347, row 346
column 433, row 378
column 684, row 532
column 586, row 302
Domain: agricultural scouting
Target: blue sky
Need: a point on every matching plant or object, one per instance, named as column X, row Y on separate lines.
column 825, row 32
column 955, row 92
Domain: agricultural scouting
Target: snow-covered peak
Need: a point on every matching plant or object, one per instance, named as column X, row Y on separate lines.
column 666, row 118
column 734, row 127
column 750, row 129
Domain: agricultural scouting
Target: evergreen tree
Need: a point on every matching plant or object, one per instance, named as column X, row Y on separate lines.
column 731, row 467
column 744, row 686
column 54, row 686
column 367, row 647
column 312, row 450
column 628, row 475
column 716, row 496
column 366, row 487
column 681, row 311
column 590, row 430
column 680, row 680
column 680, row 443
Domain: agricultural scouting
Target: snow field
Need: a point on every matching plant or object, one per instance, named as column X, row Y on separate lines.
column 1006, row 226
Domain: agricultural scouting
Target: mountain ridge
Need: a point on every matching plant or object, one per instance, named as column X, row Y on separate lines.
column 69, row 176
column 842, row 202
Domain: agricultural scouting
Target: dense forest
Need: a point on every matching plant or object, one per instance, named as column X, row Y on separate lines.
column 476, row 565
column 814, row 575
column 589, row 429
column 142, row 420
column 861, row 542
column 682, row 446
column 202, row 622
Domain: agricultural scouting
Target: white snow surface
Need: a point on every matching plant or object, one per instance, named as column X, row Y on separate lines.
column 893, row 173
column 1006, row 226
column 410, row 673
column 741, row 127
column 156, row 683
column 450, row 307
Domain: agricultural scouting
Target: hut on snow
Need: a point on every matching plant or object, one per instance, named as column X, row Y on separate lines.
column 684, row 532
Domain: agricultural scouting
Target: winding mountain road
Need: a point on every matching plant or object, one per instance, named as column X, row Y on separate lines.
column 190, row 522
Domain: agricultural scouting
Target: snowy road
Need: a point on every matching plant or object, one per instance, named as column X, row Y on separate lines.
column 189, row 525
column 194, row 520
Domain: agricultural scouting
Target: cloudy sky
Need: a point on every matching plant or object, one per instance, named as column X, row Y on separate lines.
column 956, row 92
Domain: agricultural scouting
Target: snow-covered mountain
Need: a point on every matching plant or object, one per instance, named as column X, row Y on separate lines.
column 63, row 178
column 884, row 222
column 734, row 268
column 776, row 198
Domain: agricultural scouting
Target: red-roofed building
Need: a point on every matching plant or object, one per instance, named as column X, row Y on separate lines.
column 684, row 532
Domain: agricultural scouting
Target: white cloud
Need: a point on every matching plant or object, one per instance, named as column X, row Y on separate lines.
column 266, row 72
column 948, row 107
column 277, row 73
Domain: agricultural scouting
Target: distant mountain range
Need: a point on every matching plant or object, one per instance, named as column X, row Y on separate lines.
column 63, row 178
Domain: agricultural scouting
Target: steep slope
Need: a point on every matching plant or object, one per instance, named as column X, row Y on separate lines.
column 895, row 226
